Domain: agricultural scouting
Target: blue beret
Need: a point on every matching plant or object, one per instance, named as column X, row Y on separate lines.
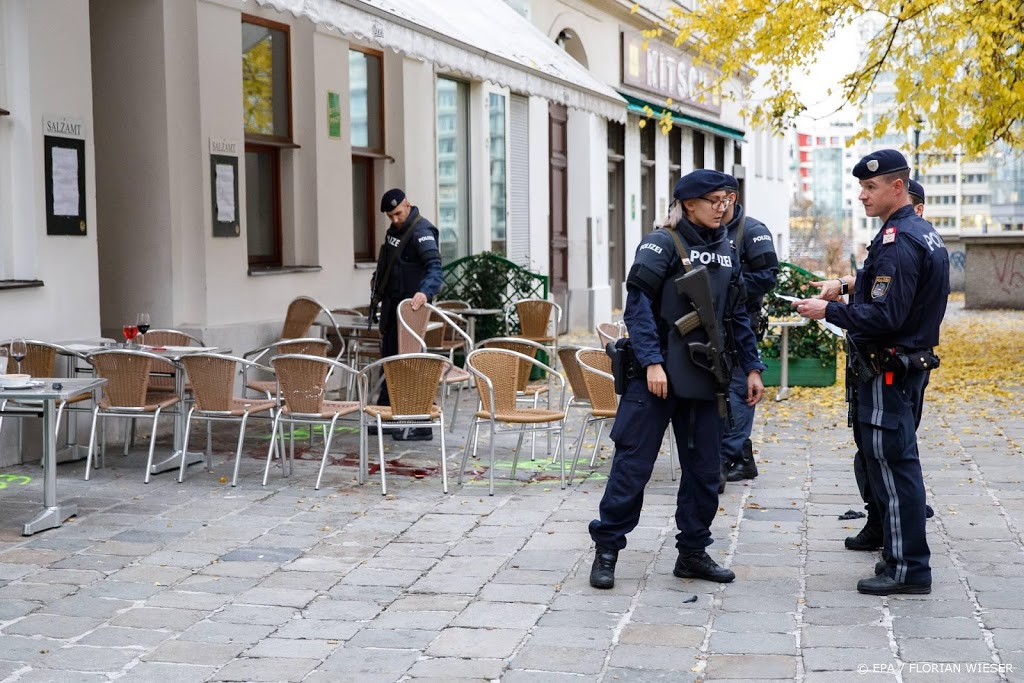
column 916, row 190
column 879, row 163
column 391, row 199
column 699, row 183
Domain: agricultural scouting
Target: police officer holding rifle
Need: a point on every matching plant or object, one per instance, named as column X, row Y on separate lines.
column 687, row 324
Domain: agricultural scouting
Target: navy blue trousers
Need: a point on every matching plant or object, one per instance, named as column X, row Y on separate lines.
column 640, row 425
column 886, row 432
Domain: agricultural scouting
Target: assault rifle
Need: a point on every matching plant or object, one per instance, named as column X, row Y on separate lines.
column 696, row 286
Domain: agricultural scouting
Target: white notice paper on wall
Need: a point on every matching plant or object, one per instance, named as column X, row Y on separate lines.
column 65, row 181
column 225, row 193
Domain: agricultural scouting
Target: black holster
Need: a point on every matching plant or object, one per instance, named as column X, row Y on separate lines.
column 624, row 365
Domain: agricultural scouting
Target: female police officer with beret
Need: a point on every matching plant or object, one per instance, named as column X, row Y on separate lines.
column 669, row 386
column 899, row 300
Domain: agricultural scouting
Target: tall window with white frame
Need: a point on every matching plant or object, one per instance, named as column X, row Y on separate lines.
column 366, row 106
column 453, row 168
column 266, row 111
column 499, row 189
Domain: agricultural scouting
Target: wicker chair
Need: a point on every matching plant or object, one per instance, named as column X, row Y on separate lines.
column 497, row 372
column 162, row 376
column 609, row 332
column 126, row 394
column 457, row 376
column 539, row 320
column 596, row 368
column 302, row 383
column 579, row 395
column 215, row 400
column 309, row 346
column 413, row 380
column 302, row 312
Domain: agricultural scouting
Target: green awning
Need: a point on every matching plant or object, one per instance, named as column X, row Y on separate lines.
column 636, row 106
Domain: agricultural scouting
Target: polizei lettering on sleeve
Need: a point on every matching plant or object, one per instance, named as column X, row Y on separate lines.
column 653, row 247
column 426, row 238
column 762, row 238
column 706, row 258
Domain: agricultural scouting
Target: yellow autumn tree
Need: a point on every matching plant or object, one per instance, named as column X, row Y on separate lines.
column 955, row 64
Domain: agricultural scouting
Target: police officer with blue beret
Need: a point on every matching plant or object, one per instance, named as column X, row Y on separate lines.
column 917, row 197
column 899, row 300
column 408, row 266
column 669, row 384
column 759, row 267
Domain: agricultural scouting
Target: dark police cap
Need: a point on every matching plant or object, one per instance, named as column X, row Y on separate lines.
column 699, row 183
column 879, row 163
column 916, row 191
column 391, row 199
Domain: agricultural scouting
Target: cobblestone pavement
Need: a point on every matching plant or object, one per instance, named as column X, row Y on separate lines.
column 200, row 581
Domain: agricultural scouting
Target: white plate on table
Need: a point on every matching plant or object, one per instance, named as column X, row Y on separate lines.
column 20, row 387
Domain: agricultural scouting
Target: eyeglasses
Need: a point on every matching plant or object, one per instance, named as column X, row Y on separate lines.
column 722, row 203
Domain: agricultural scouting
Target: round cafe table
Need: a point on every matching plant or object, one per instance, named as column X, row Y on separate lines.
column 471, row 314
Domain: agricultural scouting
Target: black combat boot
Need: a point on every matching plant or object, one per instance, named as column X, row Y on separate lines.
column 868, row 538
column 699, row 565
column 883, row 584
column 602, row 572
column 746, row 468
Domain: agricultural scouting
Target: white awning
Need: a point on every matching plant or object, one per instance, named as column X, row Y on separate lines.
column 482, row 39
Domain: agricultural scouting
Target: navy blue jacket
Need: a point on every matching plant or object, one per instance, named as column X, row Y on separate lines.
column 655, row 262
column 758, row 260
column 900, row 293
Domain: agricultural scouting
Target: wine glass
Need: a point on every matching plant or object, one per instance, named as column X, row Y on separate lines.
column 18, row 351
column 130, row 330
column 143, row 325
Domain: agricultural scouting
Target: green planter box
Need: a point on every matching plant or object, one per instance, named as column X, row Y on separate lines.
column 803, row 372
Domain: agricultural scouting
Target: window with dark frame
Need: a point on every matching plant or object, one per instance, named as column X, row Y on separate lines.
column 698, row 150
column 675, row 156
column 719, row 153
column 647, row 217
column 266, row 111
column 366, row 107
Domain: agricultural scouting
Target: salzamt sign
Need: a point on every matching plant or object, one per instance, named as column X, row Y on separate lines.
column 661, row 69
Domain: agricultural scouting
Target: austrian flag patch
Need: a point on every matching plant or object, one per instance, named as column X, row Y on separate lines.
column 889, row 235
column 881, row 286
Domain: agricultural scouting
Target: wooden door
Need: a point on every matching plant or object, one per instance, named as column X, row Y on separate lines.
column 558, row 221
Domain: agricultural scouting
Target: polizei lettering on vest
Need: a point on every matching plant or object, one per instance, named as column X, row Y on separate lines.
column 706, row 258
column 394, row 241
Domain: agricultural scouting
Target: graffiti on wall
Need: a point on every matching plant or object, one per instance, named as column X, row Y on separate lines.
column 958, row 260
column 1008, row 268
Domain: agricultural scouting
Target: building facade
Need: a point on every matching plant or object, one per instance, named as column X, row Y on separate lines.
column 206, row 161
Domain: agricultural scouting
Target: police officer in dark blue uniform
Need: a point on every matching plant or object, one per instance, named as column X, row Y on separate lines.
column 408, row 266
column 892, row 323
column 870, row 537
column 759, row 267
column 668, row 384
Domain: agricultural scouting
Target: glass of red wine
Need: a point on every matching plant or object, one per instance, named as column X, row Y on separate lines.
column 131, row 330
column 18, row 351
column 143, row 325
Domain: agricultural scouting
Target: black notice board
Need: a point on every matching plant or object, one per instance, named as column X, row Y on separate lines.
column 62, row 216
column 231, row 227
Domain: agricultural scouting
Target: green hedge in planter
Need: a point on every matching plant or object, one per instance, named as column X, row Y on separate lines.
column 812, row 349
